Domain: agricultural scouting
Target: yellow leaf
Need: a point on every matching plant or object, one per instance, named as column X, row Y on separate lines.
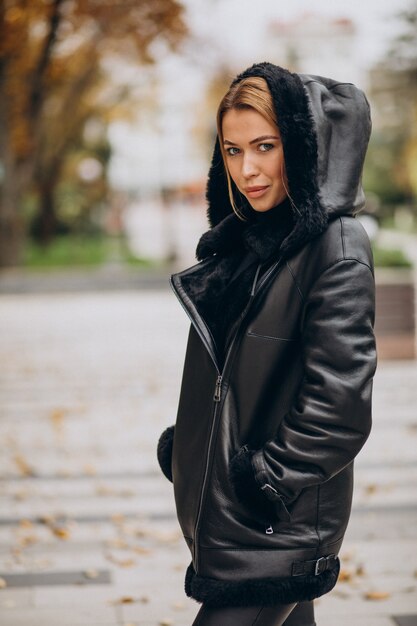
column 23, row 466
column 360, row 570
column 25, row 523
column 140, row 550
column 377, row 595
column 124, row 600
column 117, row 518
column 91, row 573
column 61, row 532
column 178, row 606
column 3, row 583
column 345, row 575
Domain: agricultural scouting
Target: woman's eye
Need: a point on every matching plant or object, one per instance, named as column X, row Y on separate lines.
column 232, row 151
column 265, row 147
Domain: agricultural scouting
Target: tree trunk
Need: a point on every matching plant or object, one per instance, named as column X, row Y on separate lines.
column 47, row 222
column 11, row 241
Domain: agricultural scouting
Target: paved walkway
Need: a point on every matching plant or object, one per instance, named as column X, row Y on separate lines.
column 88, row 534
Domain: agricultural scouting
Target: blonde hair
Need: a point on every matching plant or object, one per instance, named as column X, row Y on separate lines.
column 249, row 93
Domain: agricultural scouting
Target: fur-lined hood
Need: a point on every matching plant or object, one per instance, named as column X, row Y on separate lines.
column 325, row 127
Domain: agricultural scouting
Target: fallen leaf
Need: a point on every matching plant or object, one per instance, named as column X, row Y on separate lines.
column 124, row 600
column 345, row 575
column 120, row 562
column 61, row 532
column 166, row 622
column 23, row 466
column 25, row 523
column 371, row 488
column 140, row 550
column 3, row 583
column 144, row 599
column 21, row 494
column 89, row 469
column 57, row 418
column 360, row 570
column 91, row 573
column 47, row 519
column 178, row 606
column 27, row 540
column 376, row 595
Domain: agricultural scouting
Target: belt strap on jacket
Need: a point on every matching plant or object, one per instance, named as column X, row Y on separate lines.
column 316, row 566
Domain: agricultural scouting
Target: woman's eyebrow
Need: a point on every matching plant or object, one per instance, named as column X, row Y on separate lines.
column 262, row 138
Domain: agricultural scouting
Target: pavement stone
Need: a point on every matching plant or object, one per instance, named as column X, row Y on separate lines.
column 87, row 387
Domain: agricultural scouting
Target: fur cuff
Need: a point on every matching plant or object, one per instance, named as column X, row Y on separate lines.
column 261, row 591
column 164, row 451
column 247, row 489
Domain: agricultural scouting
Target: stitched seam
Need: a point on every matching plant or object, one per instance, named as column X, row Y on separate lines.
column 313, row 80
column 317, row 518
column 342, row 234
column 195, row 310
column 257, row 617
column 252, row 334
column 348, row 258
column 295, row 281
column 239, row 549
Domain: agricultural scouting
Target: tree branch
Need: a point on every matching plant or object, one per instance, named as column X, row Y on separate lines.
column 37, row 92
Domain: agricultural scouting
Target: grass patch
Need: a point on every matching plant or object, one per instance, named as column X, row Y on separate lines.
column 81, row 251
column 390, row 257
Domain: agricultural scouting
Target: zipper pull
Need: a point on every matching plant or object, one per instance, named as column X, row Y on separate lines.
column 217, row 391
column 269, row 530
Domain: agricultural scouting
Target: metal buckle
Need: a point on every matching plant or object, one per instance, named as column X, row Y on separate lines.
column 321, row 561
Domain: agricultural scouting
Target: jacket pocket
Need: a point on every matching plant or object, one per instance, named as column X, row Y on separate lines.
column 262, row 478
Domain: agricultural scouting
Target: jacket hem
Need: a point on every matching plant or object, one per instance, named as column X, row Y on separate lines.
column 261, row 591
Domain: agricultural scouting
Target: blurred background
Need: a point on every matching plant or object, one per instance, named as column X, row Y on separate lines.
column 107, row 117
column 107, row 124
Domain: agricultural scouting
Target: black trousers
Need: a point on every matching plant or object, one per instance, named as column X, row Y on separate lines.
column 301, row 614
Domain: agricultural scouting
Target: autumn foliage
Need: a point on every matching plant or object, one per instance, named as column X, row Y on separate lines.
column 53, row 79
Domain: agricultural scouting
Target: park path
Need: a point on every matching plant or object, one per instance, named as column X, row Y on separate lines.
column 88, row 534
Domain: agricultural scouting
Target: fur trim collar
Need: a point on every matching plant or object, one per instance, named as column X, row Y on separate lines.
column 300, row 151
column 263, row 234
column 325, row 127
column 259, row 592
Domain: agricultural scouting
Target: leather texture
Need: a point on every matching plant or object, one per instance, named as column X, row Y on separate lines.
column 297, row 389
column 294, row 387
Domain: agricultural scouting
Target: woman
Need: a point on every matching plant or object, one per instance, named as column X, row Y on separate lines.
column 275, row 401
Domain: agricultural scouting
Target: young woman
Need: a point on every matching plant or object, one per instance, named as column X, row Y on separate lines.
column 275, row 401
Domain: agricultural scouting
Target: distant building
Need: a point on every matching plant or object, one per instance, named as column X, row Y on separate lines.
column 316, row 44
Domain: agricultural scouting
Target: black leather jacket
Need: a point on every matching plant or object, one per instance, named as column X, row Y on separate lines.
column 266, row 433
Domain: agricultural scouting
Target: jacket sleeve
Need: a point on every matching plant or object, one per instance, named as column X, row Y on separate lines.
column 330, row 418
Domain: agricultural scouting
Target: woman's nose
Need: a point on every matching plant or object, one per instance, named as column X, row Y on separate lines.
column 249, row 166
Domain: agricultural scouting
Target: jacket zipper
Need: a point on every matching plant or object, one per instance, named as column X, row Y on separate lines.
column 217, row 396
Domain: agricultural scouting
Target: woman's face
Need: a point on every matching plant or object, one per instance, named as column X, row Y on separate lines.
column 254, row 157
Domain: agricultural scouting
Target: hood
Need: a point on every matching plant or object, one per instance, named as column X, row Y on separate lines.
column 325, row 127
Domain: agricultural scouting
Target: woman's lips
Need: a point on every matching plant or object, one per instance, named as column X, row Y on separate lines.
column 256, row 192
